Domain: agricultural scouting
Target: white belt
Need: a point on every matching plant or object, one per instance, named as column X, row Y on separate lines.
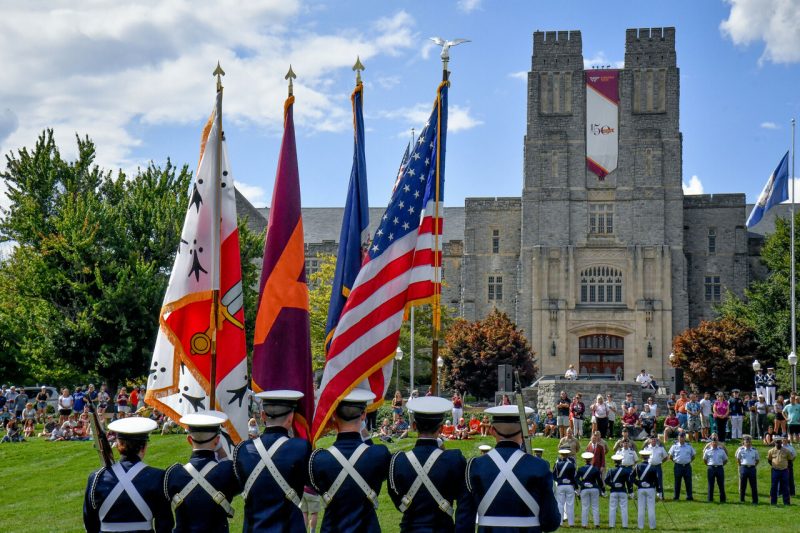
column 126, row 526
column 423, row 479
column 508, row 521
column 199, row 479
column 348, row 469
column 267, row 462
column 506, row 475
column 125, row 484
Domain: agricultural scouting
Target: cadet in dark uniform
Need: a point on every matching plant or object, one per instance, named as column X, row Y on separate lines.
column 539, row 452
column 201, row 490
column 424, row 482
column 770, row 385
column 590, row 481
column 564, row 473
column 513, row 491
column 129, row 496
column 271, row 469
column 759, row 380
column 645, row 477
column 350, row 473
column 748, row 458
column 618, row 480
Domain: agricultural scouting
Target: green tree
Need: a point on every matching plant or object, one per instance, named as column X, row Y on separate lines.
column 716, row 355
column 476, row 348
column 320, row 284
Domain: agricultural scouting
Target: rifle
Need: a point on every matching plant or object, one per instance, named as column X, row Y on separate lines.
column 523, row 420
column 100, row 438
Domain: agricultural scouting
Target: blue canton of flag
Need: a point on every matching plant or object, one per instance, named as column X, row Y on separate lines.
column 775, row 191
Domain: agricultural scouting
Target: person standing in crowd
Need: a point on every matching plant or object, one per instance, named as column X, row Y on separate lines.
column 748, row 458
column 750, row 408
column 760, row 382
column 600, row 416
column 577, row 408
column 79, row 400
column 618, row 479
column 715, row 457
column 644, row 477
column 103, row 400
column 780, row 418
column 770, row 385
column 628, row 403
column 787, row 445
column 564, row 474
column 143, row 507
column 458, row 406
column 682, row 454
column 562, row 414
column 525, row 501
column 761, row 410
column 65, row 402
column 20, row 401
column 792, row 414
column 570, row 443
column 628, row 452
column 397, row 404
column 658, row 454
column 693, row 411
column 590, row 481
column 736, row 411
column 612, row 415
column 680, row 410
column 778, row 458
column 721, row 413
column 41, row 404
column 201, row 491
column 122, row 403
column 653, row 406
column 571, row 374
column 441, row 473
column 133, row 400
column 706, row 410
column 598, row 448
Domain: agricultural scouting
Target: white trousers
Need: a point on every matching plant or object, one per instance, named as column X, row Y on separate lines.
column 736, row 426
column 565, row 498
column 769, row 397
column 647, row 499
column 617, row 499
column 457, row 413
column 590, row 498
column 761, row 391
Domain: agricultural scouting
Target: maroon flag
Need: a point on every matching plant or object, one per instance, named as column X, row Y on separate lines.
column 282, row 344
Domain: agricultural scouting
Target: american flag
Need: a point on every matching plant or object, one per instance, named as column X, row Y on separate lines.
column 402, row 267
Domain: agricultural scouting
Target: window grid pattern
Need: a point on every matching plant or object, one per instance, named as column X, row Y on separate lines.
column 601, row 285
column 601, row 218
column 712, row 241
column 713, row 289
column 495, row 288
column 495, row 241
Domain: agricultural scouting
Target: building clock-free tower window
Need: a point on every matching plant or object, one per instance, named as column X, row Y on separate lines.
column 601, row 285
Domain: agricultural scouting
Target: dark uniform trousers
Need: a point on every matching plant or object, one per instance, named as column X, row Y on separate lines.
column 447, row 475
column 780, row 484
column 716, row 474
column 266, row 507
column 683, row 473
column 150, row 485
column 199, row 512
column 349, row 510
column 747, row 474
column 534, row 475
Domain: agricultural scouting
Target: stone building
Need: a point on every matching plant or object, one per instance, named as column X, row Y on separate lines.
column 599, row 273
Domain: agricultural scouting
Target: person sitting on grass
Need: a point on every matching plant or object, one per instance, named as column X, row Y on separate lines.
column 474, row 425
column 485, row 426
column 49, row 426
column 462, row 429
column 400, row 428
column 5, row 416
column 671, row 425
column 448, row 430
column 29, row 413
column 550, row 425
column 769, row 436
column 66, row 431
column 29, row 430
column 80, row 431
column 13, row 432
column 385, row 433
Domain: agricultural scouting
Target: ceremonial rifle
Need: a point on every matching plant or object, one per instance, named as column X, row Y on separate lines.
column 523, row 420
column 100, row 438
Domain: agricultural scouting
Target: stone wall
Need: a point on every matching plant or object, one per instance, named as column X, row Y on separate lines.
column 550, row 390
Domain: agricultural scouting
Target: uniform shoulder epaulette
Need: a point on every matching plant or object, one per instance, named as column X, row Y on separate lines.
column 94, row 486
column 311, row 469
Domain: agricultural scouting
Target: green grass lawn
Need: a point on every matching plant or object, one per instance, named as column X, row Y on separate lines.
column 44, row 482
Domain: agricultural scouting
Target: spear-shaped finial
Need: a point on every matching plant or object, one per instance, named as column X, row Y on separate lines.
column 358, row 67
column 290, row 76
column 218, row 72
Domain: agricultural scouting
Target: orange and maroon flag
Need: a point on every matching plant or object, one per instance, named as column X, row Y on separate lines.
column 282, row 343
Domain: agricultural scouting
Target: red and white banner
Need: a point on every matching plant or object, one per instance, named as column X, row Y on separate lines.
column 602, row 121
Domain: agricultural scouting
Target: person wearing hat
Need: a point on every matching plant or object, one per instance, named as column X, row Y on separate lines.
column 759, row 381
column 778, row 458
column 658, row 454
column 539, row 452
column 736, row 410
column 787, row 445
column 618, row 479
column 201, row 491
column 628, row 452
column 682, row 454
column 511, row 489
column 570, row 443
column 645, row 478
column 271, row 469
column 770, row 385
column 626, row 438
column 484, row 449
column 129, row 495
column 590, row 481
column 349, row 474
column 426, row 481
column 748, row 458
column 715, row 457
column 564, row 473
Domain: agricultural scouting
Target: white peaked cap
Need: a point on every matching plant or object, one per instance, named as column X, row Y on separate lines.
column 429, row 405
column 133, row 426
column 208, row 419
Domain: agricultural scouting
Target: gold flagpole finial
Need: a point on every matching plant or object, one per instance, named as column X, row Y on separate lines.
column 290, row 76
column 358, row 67
column 218, row 72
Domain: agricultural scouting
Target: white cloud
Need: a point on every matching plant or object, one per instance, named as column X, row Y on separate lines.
column 521, row 75
column 695, row 186
column 105, row 68
column 388, row 82
column 427, row 48
column 775, row 22
column 255, row 194
column 769, row 126
column 601, row 60
column 458, row 118
column 468, row 6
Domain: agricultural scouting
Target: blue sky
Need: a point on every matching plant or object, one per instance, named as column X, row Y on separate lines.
column 137, row 79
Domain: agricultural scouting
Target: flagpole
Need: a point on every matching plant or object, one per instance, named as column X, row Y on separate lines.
column 794, row 321
column 411, row 344
column 215, row 245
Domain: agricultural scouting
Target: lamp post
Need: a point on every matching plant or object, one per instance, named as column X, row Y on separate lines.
column 792, row 358
column 439, row 365
column 398, row 356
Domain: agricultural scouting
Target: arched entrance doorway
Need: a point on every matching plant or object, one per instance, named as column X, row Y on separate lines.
column 602, row 354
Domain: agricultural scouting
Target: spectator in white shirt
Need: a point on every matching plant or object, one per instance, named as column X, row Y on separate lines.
column 571, row 374
column 645, row 380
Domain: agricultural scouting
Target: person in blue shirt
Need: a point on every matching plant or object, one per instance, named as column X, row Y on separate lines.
column 272, row 469
column 201, row 491
column 590, row 481
column 715, row 457
column 426, row 482
column 693, row 423
column 78, row 401
column 525, row 500
column 564, row 473
column 748, row 458
column 682, row 454
column 618, row 480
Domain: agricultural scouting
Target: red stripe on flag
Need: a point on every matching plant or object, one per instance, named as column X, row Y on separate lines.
column 427, row 225
column 361, row 292
column 386, row 309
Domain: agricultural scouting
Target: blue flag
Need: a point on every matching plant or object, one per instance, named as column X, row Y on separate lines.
column 775, row 191
column 355, row 223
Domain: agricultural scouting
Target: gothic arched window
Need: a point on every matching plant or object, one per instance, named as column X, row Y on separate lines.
column 601, row 285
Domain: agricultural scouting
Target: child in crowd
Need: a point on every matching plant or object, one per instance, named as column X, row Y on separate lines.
column 550, row 425
column 30, row 429
column 252, row 428
column 448, row 430
column 474, row 425
column 462, row 429
column 485, row 426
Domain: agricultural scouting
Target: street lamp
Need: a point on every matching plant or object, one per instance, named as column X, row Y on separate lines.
column 672, row 357
column 756, row 365
column 439, row 365
column 792, row 358
column 398, row 356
